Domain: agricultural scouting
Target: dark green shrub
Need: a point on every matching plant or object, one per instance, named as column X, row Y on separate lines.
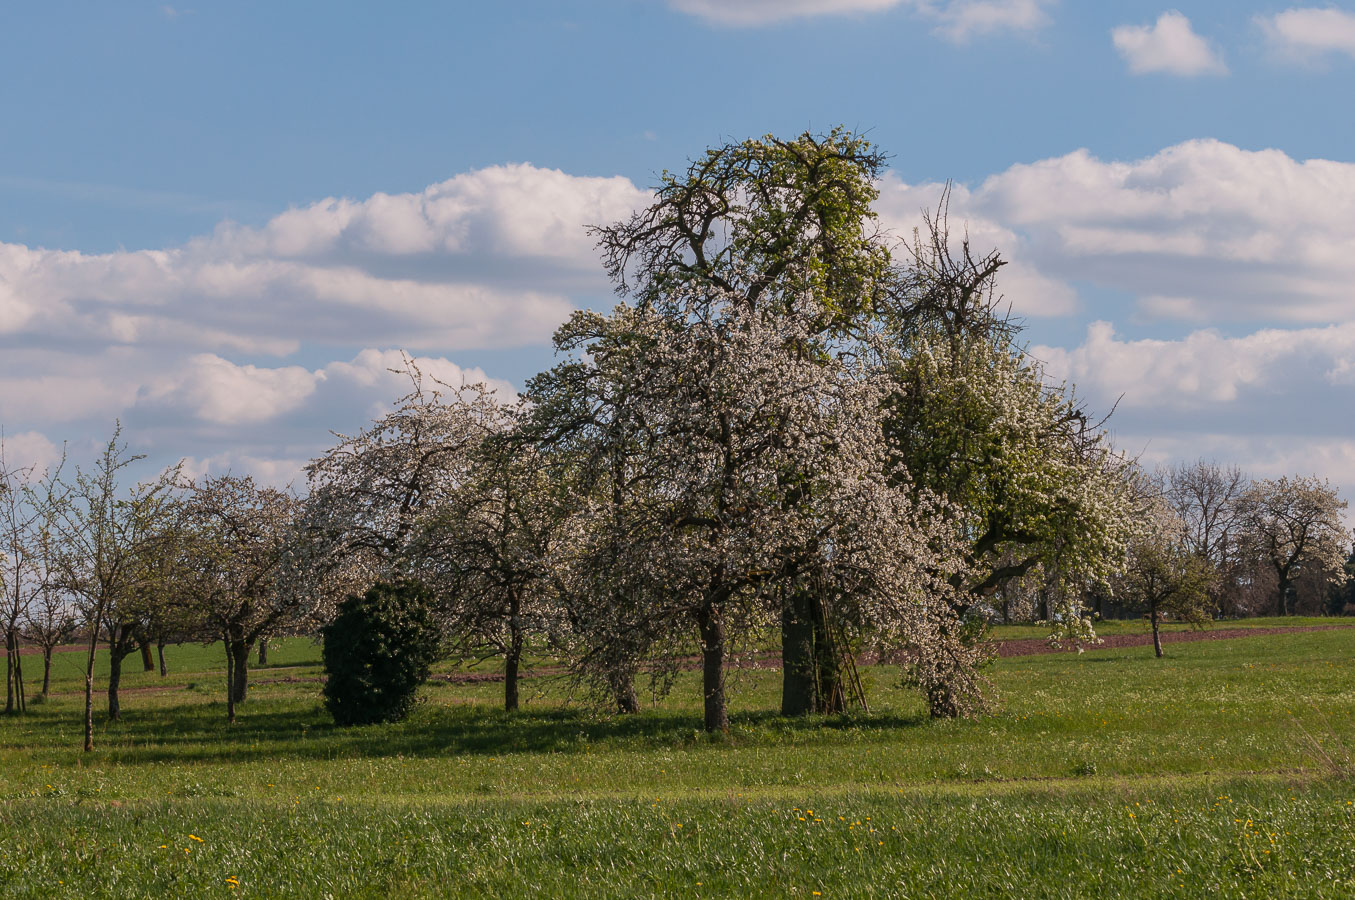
column 378, row 651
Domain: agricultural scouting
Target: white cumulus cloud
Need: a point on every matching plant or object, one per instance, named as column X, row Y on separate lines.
column 1170, row 45
column 1300, row 32
column 1275, row 401
column 1204, row 228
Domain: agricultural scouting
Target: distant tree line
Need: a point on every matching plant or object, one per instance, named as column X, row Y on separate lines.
column 792, row 426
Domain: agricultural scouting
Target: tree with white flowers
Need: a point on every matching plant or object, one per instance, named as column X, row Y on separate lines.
column 487, row 551
column 1293, row 525
column 758, row 468
column 371, row 491
column 234, row 542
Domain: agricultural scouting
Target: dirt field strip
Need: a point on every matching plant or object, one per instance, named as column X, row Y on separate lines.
column 1034, row 646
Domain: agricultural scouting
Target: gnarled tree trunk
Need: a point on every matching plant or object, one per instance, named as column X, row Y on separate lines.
column 711, row 622
column 121, row 643
column 239, row 648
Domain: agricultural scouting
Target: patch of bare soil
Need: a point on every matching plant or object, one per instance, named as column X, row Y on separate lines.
column 1033, row 646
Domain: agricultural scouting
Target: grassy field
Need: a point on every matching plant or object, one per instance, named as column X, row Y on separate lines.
column 1220, row 770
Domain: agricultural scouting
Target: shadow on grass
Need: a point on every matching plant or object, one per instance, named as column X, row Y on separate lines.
column 199, row 732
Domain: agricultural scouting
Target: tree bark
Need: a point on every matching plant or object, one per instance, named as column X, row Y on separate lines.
column 263, row 651
column 799, row 682
column 1157, row 636
column 230, row 680
column 89, row 680
column 46, row 670
column 9, row 672
column 120, row 646
column 713, row 667
column 239, row 650
column 627, row 703
column 160, row 651
column 1282, row 601
column 513, row 658
column 21, row 693
column 147, row 660
column 114, row 680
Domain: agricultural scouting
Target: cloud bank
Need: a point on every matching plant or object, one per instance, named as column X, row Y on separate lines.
column 956, row 20
column 244, row 347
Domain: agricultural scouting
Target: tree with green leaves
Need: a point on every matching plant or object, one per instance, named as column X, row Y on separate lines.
column 1037, row 486
column 377, row 651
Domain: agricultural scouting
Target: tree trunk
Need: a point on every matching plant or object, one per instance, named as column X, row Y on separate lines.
column 1157, row 636
column 46, row 670
column 514, row 656
column 831, row 698
column 713, row 667
column 230, row 680
column 89, row 678
column 799, row 681
column 9, row 672
column 114, row 680
column 1282, row 601
column 263, row 651
column 120, row 646
column 239, row 649
column 160, row 651
column 627, row 703
column 19, row 690
column 147, row 660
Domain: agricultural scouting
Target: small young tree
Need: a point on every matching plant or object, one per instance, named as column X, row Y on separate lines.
column 30, row 503
column 49, row 622
column 104, row 538
column 377, row 651
column 1164, row 575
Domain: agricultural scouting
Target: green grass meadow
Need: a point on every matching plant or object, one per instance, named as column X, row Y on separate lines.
column 1222, row 770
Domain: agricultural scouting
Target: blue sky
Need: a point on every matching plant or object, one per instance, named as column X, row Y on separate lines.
column 1174, row 184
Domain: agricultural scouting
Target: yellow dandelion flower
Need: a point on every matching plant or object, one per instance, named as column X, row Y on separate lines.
column 194, row 837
